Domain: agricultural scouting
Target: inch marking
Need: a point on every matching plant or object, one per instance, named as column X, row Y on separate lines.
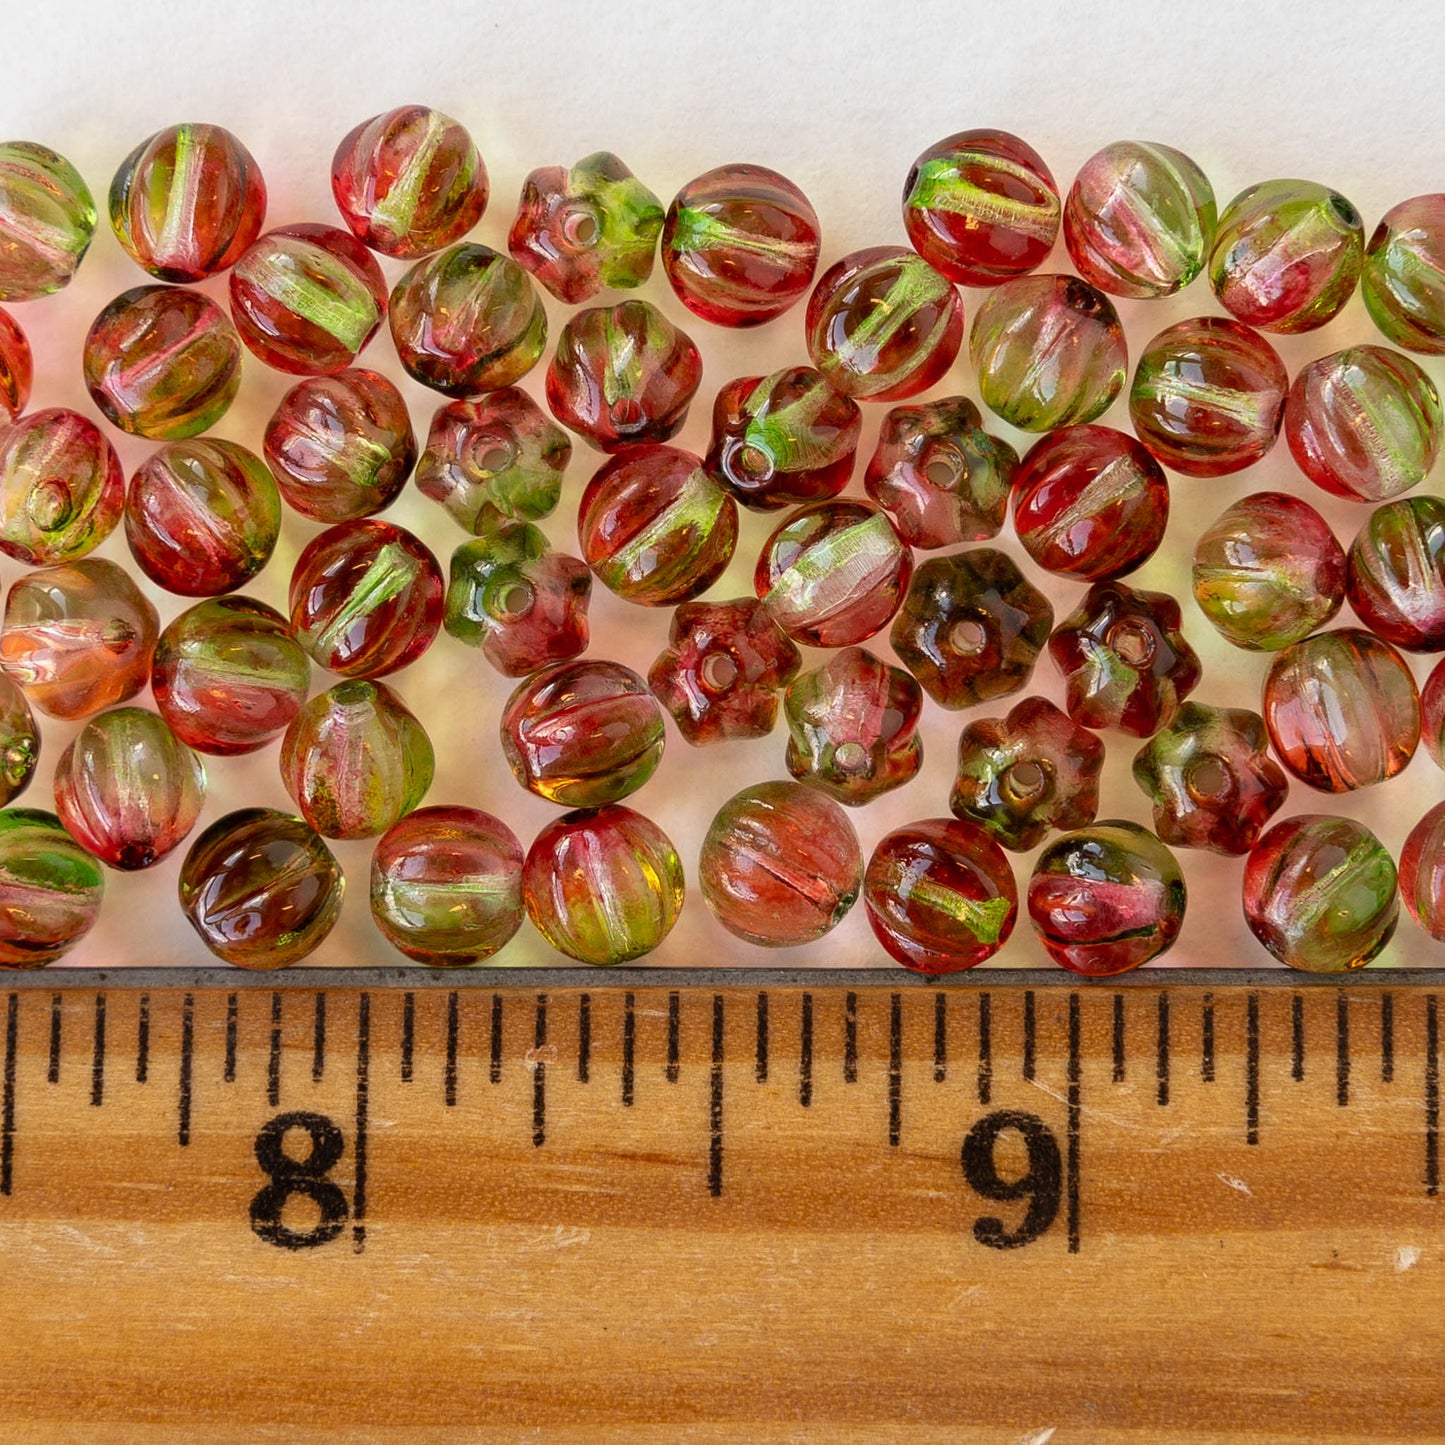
column 273, row 1064
column 761, row 1070
column 715, row 1101
column 183, row 1086
column 674, row 1034
column 1030, row 1029
column 940, row 1037
column 1387, row 1038
column 805, row 1054
column 232, row 1007
column 539, row 1075
column 584, row 1038
column 850, row 1038
column 1432, row 1097
column 363, row 1102
column 985, row 1054
column 1251, row 1070
column 629, row 1048
column 1342, row 1051
column 97, row 1059
column 494, row 1068
column 1071, row 1170
column 1161, row 1059
column 408, row 1035
column 895, row 1069
column 52, row 1073
column 1206, row 1040
column 143, row 1039
column 454, row 1029
column 7, row 1104
column 1297, row 1038
column 318, row 1045
column 1118, row 1074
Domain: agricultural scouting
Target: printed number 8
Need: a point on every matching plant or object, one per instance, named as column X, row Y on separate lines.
column 1041, row 1184
column 298, row 1176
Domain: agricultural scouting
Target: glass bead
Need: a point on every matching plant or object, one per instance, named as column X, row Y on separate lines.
column 341, row 447
column 366, row 598
column 229, row 675
column 981, row 206
column 740, row 245
column 1268, row 571
column 1422, row 872
column 1432, row 714
column 502, row 452
column 582, row 734
column 1139, row 220
column 78, row 638
column 446, row 885
column 308, row 298
column 19, row 741
column 971, row 627
column 1090, row 502
column 940, row 896
column 883, row 325
column 723, row 670
column 355, row 759
column 654, row 527
column 61, row 487
column 202, row 517
column 1363, row 423
column 783, row 439
column 853, row 727
column 17, row 368
column 187, row 201
column 1342, row 710
column 50, row 887
column 47, row 219
column 1211, row 779
column 1021, row 776
column 603, row 885
column 511, row 595
column 940, row 477
column 163, row 362
column 467, row 321
column 622, row 374
column 1106, row 898
column 1049, row 352
column 1208, row 396
column 581, row 229
column 1403, row 281
column 780, row 865
column 1124, row 661
column 1397, row 573
column 1286, row 255
column 409, row 181
column 261, row 889
column 833, row 573
column 1319, row 893
column 127, row 789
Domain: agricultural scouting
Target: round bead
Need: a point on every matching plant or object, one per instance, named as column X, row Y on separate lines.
column 162, row 362
column 1319, row 893
column 446, row 885
column 19, row 741
column 1432, row 714
column 603, row 886
column 187, row 201
column 17, row 368
column 127, row 789
column 780, row 865
column 1106, row 898
column 1422, row 872
column 1397, row 573
column 261, row 889
column 1403, row 281
column 1139, row 220
column 47, row 218
column 229, row 676
column 940, row 895
column 740, row 245
column 1208, row 396
column 50, row 887
column 981, row 206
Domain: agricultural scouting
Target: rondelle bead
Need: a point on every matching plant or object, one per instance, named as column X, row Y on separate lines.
column 580, row 229
column 780, row 865
column 17, row 368
column 1319, row 893
column 1403, row 281
column 582, row 734
column 883, row 325
column 1106, row 898
column 341, row 447
column 1286, row 255
column 1049, row 352
column 603, row 885
column 61, row 487
column 162, row 362
column 202, row 517
column 740, row 245
column 229, row 675
column 261, row 889
column 1342, row 710
column 940, row 895
column 187, row 201
column 1363, row 423
column 1139, row 220
column 1090, row 502
column 50, row 887
column 446, row 885
column 467, row 321
column 47, row 218
column 981, row 206
column 1422, row 872
column 19, row 741
column 409, row 181
column 1397, row 573
column 366, row 598
column 1268, row 571
column 127, row 789
column 355, row 759
column 1208, row 396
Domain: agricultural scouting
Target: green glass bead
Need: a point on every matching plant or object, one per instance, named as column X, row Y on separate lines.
column 50, row 889
column 19, row 741
column 1403, row 282
column 47, row 218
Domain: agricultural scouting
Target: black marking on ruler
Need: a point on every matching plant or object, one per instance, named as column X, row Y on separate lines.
column 1251, row 1070
column 143, row 1039
column 363, row 1105
column 1297, row 1038
column 895, row 1069
column 1432, row 1097
column 1030, row 1029
column 805, row 1054
column 940, row 1037
column 1206, row 1040
column 273, row 1064
column 1161, row 1058
column 584, row 1038
column 629, row 1047
column 761, row 1072
column 1342, row 1050
column 454, row 1029
column 674, row 1035
column 183, row 1085
column 97, row 1058
column 231, row 1010
column 7, row 1104
column 52, row 1074
column 408, row 1034
column 985, row 1050
column 1118, row 1075
column 1387, row 1038
column 318, row 1045
column 715, row 1102
column 494, row 1064
column 850, row 1038
column 1071, row 1173
column 539, row 1076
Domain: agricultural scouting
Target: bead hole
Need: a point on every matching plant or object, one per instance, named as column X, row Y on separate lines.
column 1208, row 780
column 626, row 414
column 516, row 600
column 967, row 637
column 1131, row 642
column 1026, row 781
column 942, row 469
column 580, row 227
column 851, row 757
column 719, row 672
column 753, row 461
column 494, row 454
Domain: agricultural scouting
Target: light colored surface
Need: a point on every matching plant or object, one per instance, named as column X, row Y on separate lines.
column 839, row 97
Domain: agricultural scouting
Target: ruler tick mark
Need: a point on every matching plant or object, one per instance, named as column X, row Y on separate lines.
column 805, row 1053
column 363, row 1106
column 232, row 1007
column 1342, row 1050
column 1432, row 1097
column 1387, row 1038
column 674, row 1033
column 449, row 1071
column 143, row 1039
column 761, row 1069
column 940, row 1037
column 97, row 1059
column 584, row 1038
column 1071, row 1176
column 850, row 1038
column 408, row 1035
column 318, row 1046
column 1161, row 1060
column 1251, row 1069
column 1206, row 1040
column 183, row 1084
column 52, row 1073
column 7, row 1103
column 629, row 1048
column 715, row 1101
column 985, row 1050
column 539, row 1075
column 895, row 1069
column 1297, row 1037
column 494, row 1065
column 273, row 1063
column 1118, row 1074
column 1030, row 1029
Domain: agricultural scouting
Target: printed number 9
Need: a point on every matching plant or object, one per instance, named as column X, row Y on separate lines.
column 1041, row 1184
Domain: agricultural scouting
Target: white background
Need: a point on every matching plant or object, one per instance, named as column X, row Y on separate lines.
column 839, row 97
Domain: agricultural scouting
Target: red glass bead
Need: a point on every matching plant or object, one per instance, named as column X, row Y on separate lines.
column 1422, row 872
column 19, row 741
column 50, row 888
column 1432, row 714
column 17, row 368
column 1400, row 283
column 47, row 220
column 1397, row 573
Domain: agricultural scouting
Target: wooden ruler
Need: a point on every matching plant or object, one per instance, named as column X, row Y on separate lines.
column 564, row 1206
